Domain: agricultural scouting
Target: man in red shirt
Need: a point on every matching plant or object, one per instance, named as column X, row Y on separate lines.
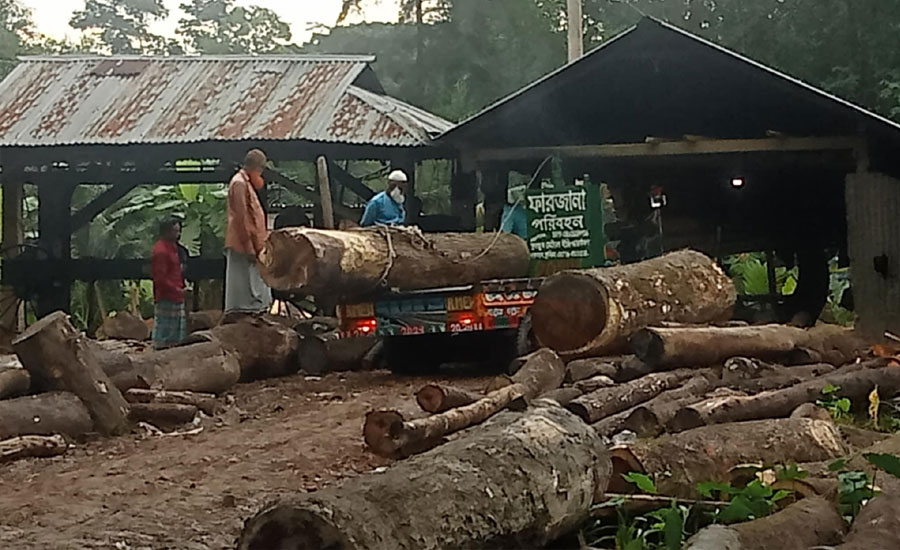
column 169, row 324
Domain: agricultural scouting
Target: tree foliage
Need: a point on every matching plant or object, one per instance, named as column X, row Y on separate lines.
column 123, row 26
column 221, row 27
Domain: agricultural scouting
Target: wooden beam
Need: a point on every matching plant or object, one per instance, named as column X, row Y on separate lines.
column 325, row 193
column 673, row 148
column 100, row 203
column 347, row 179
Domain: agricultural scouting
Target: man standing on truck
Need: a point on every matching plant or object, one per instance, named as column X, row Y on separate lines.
column 245, row 290
column 386, row 207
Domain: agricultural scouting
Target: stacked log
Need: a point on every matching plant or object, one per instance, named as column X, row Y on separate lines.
column 516, row 481
column 44, row 414
column 264, row 347
column 355, row 263
column 14, row 382
column 204, row 367
column 328, row 352
column 595, row 311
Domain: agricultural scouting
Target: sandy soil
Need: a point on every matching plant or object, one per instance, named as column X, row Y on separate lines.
column 192, row 492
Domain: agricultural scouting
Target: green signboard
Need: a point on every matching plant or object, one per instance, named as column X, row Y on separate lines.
column 565, row 227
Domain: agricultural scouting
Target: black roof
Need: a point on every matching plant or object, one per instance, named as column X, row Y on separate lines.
column 658, row 80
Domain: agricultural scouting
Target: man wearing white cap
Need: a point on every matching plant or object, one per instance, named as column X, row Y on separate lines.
column 386, row 208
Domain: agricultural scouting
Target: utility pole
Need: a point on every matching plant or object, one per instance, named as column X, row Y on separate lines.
column 576, row 40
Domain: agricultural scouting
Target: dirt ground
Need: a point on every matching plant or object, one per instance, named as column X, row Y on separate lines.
column 189, row 492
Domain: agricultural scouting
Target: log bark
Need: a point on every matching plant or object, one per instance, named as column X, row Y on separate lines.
column 620, row 369
column 877, row 525
column 582, row 369
column 437, row 398
column 887, row 483
column 517, row 481
column 595, row 406
column 203, row 320
column 711, row 452
column 206, row 402
column 58, row 358
column 14, row 382
column 594, row 384
column 562, row 396
column 354, row 263
column 855, row 384
column 649, row 419
column 753, row 376
column 163, row 414
column 44, row 414
column 204, row 367
column 708, row 346
column 30, row 446
column 322, row 353
column 264, row 347
column 119, row 366
column 804, row 524
column 592, row 312
column 387, row 434
column 125, row 325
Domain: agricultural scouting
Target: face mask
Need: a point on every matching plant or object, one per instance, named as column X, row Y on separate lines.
column 515, row 194
column 398, row 196
column 256, row 180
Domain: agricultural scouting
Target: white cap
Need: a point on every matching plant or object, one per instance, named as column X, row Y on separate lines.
column 398, row 176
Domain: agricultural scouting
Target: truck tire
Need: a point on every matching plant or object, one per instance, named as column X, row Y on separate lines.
column 525, row 342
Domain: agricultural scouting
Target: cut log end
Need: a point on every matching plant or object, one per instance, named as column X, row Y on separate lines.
column 379, row 432
column 292, row 529
column 580, row 410
column 569, row 312
column 287, row 275
column 648, row 346
column 686, row 419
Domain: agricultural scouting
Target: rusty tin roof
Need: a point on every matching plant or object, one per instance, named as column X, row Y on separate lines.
column 89, row 100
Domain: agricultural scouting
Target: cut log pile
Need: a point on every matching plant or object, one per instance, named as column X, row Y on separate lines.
column 699, row 399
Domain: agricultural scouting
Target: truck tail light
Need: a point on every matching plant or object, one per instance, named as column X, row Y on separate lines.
column 364, row 326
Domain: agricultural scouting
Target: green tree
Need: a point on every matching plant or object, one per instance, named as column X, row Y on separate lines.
column 220, row 27
column 123, row 26
column 16, row 30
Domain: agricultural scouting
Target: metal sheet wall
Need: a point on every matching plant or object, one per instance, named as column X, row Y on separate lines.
column 873, row 230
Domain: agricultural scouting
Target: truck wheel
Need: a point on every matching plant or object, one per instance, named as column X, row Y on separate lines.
column 525, row 342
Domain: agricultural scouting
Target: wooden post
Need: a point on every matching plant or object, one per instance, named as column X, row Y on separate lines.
column 325, row 193
column 13, row 235
column 576, row 42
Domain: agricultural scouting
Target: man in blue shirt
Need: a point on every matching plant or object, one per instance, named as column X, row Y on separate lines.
column 514, row 219
column 386, row 208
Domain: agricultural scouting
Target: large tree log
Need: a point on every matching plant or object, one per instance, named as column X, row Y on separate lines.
column 437, row 398
column 877, row 525
column 58, row 358
column 354, row 263
column 205, row 367
column 520, row 480
column 804, row 524
column 328, row 352
column 206, row 402
column 44, row 414
column 709, row 453
column 27, row 446
column 14, row 382
column 264, row 347
column 592, row 312
column 709, row 346
column 595, row 406
column 854, row 383
column 387, row 434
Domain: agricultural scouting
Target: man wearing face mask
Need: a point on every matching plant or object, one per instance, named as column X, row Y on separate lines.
column 386, row 208
column 245, row 290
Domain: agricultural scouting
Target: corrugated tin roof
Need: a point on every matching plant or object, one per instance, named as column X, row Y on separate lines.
column 79, row 100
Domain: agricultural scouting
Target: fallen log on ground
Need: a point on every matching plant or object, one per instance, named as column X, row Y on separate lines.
column 437, row 398
column 203, row 320
column 58, row 357
column 768, row 377
column 804, row 524
column 44, row 414
column 620, row 369
column 206, row 402
column 14, row 382
column 163, row 414
column 595, row 406
column 387, row 434
column 119, row 367
column 519, row 480
column 562, row 396
column 649, row 419
column 711, row 452
column 125, row 325
column 595, row 311
column 853, row 383
column 30, row 446
column 264, row 347
column 205, row 367
column 708, row 346
column 593, row 384
column 356, row 262
column 582, row 369
column 877, row 525
column 322, row 353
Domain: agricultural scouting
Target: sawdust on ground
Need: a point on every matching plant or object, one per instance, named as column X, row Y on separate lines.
column 193, row 492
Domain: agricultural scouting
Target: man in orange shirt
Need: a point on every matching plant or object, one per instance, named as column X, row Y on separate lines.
column 245, row 290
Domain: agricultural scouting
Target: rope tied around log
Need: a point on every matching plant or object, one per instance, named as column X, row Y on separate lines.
column 414, row 233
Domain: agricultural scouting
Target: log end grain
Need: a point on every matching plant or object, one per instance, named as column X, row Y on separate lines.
column 287, row 271
column 685, row 419
column 380, row 430
column 430, row 398
column 580, row 410
column 648, row 346
column 292, row 528
column 569, row 312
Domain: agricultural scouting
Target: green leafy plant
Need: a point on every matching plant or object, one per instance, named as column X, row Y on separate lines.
column 754, row 501
column 886, row 462
column 643, row 482
column 838, row 407
column 854, row 489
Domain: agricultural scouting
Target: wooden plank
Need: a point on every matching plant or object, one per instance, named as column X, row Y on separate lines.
column 672, row 148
